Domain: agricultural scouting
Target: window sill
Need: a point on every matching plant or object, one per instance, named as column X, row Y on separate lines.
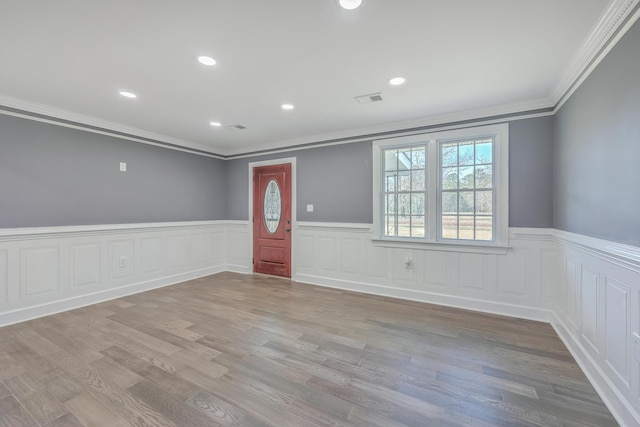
column 478, row 248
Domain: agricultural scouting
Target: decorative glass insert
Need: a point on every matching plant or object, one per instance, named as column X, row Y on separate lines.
column 404, row 191
column 272, row 206
column 467, row 190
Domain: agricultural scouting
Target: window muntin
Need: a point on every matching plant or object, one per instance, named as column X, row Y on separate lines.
column 467, row 190
column 404, row 191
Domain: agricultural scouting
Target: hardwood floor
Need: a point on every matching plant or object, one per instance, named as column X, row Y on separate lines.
column 235, row 350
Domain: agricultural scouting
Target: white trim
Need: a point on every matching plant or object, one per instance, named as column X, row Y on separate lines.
column 618, row 253
column 55, row 116
column 452, row 120
column 484, row 306
column 619, row 406
column 294, row 216
column 470, row 247
column 335, row 226
column 525, row 233
column 595, row 48
column 480, row 115
column 88, row 230
column 236, row 222
column 321, row 140
column 47, row 309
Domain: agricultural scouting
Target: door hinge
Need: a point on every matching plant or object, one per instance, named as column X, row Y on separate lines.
column 253, row 260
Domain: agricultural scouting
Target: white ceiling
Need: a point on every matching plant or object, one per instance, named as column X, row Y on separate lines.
column 69, row 59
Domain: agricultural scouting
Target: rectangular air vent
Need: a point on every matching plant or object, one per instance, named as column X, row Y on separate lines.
column 235, row 127
column 366, row 99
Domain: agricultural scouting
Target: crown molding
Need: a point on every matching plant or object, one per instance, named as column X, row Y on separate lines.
column 48, row 114
column 613, row 24
column 493, row 114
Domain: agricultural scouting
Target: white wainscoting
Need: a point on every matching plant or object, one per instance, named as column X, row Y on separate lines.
column 239, row 248
column 596, row 312
column 48, row 270
column 345, row 256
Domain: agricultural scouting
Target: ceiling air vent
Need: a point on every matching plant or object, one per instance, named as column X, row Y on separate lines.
column 235, row 128
column 366, row 99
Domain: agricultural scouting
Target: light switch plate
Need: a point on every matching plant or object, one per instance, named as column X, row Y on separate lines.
column 123, row 167
column 309, row 208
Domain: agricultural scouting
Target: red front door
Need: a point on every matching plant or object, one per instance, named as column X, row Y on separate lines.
column 272, row 220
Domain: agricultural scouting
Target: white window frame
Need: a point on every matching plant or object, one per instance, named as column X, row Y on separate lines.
column 432, row 240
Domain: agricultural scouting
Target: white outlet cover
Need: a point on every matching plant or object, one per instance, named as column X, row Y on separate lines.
column 636, row 346
column 309, row 208
column 123, row 167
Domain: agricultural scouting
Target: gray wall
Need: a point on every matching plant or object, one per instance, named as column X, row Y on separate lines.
column 52, row 175
column 531, row 173
column 337, row 180
column 597, row 150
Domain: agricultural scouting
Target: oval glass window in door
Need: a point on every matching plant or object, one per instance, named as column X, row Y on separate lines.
column 272, row 206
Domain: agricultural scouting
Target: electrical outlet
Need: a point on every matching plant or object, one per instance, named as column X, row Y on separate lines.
column 636, row 346
column 122, row 262
column 123, row 167
column 408, row 263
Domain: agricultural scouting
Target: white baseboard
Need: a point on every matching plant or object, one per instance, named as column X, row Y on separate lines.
column 33, row 312
column 242, row 269
column 484, row 306
column 626, row 415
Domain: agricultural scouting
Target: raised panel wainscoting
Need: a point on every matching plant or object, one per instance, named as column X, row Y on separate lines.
column 588, row 289
column 47, row 270
column 345, row 256
column 596, row 312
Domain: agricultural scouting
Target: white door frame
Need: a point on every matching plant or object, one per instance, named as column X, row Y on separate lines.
column 294, row 240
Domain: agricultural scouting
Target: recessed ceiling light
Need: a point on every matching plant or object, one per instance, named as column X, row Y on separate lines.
column 350, row 4
column 206, row 60
column 215, row 124
column 397, row 81
column 128, row 94
column 287, row 107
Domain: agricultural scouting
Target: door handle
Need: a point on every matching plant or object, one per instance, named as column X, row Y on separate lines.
column 287, row 230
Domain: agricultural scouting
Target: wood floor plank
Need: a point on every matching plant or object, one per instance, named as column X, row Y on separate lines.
column 240, row 350
column 91, row 411
column 9, row 367
column 67, row 420
column 169, row 406
column 12, row 414
column 4, row 391
column 117, row 374
column 63, row 387
column 172, row 384
column 111, row 397
column 218, row 410
column 32, row 394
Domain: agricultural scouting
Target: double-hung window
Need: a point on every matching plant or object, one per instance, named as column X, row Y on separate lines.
column 448, row 187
